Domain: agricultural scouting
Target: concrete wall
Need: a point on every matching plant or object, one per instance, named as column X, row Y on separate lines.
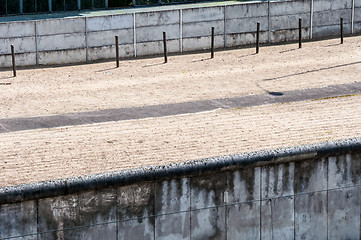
column 312, row 193
column 68, row 40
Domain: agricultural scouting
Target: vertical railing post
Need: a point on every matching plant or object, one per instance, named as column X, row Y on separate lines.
column 117, row 50
column 13, row 59
column 212, row 43
column 257, row 38
column 299, row 33
column 165, row 47
column 341, row 29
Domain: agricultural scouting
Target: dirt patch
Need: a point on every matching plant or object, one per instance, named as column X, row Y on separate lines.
column 45, row 154
column 55, row 90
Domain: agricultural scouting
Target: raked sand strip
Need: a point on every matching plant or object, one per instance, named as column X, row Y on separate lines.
column 143, row 82
column 45, row 154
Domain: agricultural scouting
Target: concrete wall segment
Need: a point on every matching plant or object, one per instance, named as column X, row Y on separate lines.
column 61, row 42
column 155, row 33
column 135, row 204
column 232, row 19
column 107, row 38
column 331, row 18
column 357, row 3
column 22, row 59
column 249, row 10
column 202, row 43
column 244, row 185
column 21, row 45
column 17, row 29
column 108, row 52
column 202, row 29
column 234, row 40
column 243, row 221
column 104, row 23
column 358, row 14
column 58, row 213
column 246, row 25
column 60, row 26
column 312, row 180
column 344, row 171
column 325, row 5
column 206, row 14
column 13, row 194
column 156, row 47
column 333, row 30
column 158, row 18
column 277, row 180
column 280, row 194
column 284, row 8
column 278, row 214
column 289, row 22
column 62, row 56
column 18, row 219
column 306, row 220
column 172, row 197
column 344, row 213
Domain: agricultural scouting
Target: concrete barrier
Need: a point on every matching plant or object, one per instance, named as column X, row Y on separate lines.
column 81, row 39
column 281, row 194
column 101, row 32
column 327, row 16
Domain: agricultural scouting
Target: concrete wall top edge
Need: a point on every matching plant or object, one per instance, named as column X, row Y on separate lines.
column 12, row 194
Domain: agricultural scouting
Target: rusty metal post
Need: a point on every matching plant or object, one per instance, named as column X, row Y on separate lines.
column 212, row 43
column 341, row 29
column 117, row 50
column 257, row 38
column 13, row 59
column 299, row 33
column 165, row 47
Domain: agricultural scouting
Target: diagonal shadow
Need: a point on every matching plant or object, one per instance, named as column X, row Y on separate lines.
column 276, row 94
column 201, row 60
column 333, row 45
column 289, row 50
column 153, row 65
column 108, row 69
column 311, row 71
column 247, row 55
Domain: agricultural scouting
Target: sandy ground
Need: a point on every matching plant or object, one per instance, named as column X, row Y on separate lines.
column 45, row 154
column 54, row 90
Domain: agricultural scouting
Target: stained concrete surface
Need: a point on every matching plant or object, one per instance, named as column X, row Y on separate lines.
column 289, row 200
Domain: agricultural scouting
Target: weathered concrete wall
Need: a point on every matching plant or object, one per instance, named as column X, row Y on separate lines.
column 284, row 20
column 21, row 34
column 149, row 31
column 69, row 40
column 61, row 40
column 101, row 33
column 312, row 192
column 241, row 23
column 327, row 14
column 81, row 39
